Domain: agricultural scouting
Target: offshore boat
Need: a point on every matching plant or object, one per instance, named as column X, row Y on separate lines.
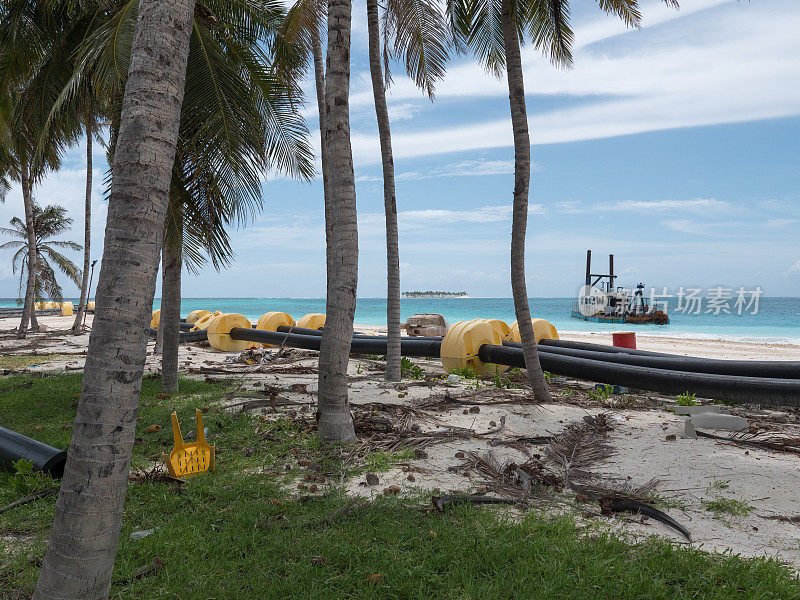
column 601, row 301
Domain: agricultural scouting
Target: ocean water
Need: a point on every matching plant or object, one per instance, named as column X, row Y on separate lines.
column 777, row 319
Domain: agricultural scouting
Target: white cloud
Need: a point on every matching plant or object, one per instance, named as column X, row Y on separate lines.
column 728, row 64
column 777, row 223
column 795, row 268
column 402, row 112
column 696, row 204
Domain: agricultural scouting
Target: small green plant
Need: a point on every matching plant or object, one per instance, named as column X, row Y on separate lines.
column 359, row 370
column 502, row 381
column 26, row 480
column 601, row 393
column 547, row 376
column 727, row 506
column 687, row 399
column 720, row 484
column 465, row 372
column 409, row 369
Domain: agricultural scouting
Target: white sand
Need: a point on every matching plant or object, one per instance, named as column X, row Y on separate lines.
column 686, row 468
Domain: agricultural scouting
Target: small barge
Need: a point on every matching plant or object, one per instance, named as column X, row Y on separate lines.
column 600, row 301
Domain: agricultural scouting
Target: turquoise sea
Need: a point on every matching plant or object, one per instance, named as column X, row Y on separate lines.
column 777, row 319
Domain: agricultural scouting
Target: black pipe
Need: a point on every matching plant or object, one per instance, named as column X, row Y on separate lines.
column 382, row 336
column 186, row 326
column 593, row 347
column 707, row 385
column 747, row 368
column 15, row 446
column 185, row 336
column 365, row 345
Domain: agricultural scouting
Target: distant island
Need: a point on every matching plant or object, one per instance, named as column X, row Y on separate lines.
column 432, row 294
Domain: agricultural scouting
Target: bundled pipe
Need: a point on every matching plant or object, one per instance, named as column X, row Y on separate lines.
column 15, row 446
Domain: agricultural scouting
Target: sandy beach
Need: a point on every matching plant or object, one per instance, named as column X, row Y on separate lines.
column 477, row 421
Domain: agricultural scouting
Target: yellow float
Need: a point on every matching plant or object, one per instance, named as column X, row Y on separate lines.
column 270, row 321
column 219, row 330
column 203, row 322
column 312, row 321
column 194, row 316
column 37, row 306
column 460, row 346
column 155, row 319
column 90, row 305
column 67, row 309
column 542, row 330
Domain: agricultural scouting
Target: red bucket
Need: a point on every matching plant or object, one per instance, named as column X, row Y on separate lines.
column 624, row 340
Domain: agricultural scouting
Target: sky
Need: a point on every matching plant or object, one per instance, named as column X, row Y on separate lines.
column 676, row 147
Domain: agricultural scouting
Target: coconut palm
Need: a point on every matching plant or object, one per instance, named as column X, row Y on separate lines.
column 48, row 223
column 27, row 34
column 334, row 422
column 238, row 121
column 494, row 30
column 80, row 555
column 415, row 32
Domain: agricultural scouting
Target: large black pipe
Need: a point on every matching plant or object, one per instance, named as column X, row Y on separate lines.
column 593, row 347
column 15, row 446
column 185, row 336
column 365, row 345
column 306, row 331
column 747, row 368
column 707, row 385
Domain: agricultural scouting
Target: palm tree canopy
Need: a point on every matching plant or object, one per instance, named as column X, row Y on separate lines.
column 476, row 26
column 49, row 222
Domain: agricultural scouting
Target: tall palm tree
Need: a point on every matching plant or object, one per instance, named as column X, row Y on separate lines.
column 90, row 125
column 420, row 38
column 88, row 517
column 48, row 222
column 334, row 422
column 238, row 121
column 493, row 31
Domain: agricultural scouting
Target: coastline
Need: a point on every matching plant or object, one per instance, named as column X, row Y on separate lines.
column 683, row 344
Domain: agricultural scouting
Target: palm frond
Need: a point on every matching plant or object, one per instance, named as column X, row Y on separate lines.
column 421, row 40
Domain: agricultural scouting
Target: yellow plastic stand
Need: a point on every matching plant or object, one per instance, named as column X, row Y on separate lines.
column 186, row 460
column 194, row 316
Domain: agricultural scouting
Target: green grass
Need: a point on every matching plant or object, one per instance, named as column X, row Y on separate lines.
column 241, row 532
column 26, row 360
column 722, row 507
column 687, row 399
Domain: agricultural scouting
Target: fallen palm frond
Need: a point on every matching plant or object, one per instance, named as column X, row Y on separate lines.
column 781, row 441
column 509, row 478
column 442, row 502
column 583, row 443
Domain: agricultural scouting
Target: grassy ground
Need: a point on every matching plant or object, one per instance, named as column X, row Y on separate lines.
column 17, row 361
column 243, row 532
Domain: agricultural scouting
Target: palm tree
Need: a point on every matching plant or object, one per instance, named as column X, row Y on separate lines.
column 493, row 31
column 88, row 517
column 48, row 223
column 420, row 38
column 334, row 422
column 238, row 121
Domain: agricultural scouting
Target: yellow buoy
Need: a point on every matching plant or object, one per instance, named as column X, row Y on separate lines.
column 460, row 346
column 219, row 330
column 90, row 305
column 542, row 330
column 155, row 320
column 37, row 306
column 203, row 322
column 270, row 321
column 312, row 321
column 194, row 316
column 67, row 309
column 186, row 460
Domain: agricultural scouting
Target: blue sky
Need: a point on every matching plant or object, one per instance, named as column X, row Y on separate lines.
column 676, row 147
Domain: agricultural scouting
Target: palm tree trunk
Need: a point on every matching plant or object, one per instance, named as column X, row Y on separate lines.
column 171, row 313
column 334, row 422
column 389, row 201
column 27, row 200
column 77, row 326
column 319, row 80
column 88, row 515
column 522, row 176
